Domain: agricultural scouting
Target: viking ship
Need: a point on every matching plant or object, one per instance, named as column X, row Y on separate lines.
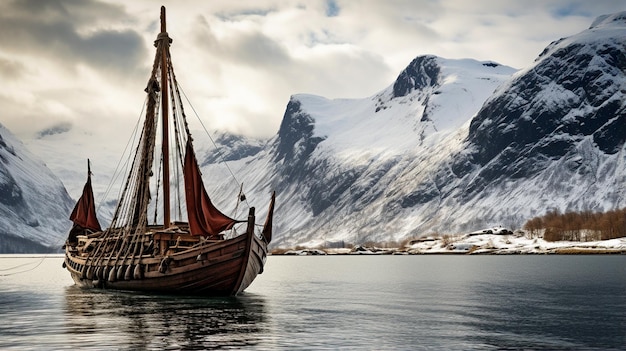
column 203, row 255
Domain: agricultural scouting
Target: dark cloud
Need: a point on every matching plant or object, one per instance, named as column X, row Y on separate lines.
column 79, row 12
column 124, row 49
column 332, row 8
column 59, row 128
column 249, row 48
column 243, row 13
column 71, row 32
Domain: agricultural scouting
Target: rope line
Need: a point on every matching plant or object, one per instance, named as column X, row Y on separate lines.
column 212, row 141
column 116, row 174
column 21, row 265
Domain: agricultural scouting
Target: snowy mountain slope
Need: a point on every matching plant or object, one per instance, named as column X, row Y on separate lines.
column 34, row 206
column 557, row 129
column 333, row 161
column 443, row 150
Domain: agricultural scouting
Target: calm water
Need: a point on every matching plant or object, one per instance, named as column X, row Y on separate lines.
column 343, row 302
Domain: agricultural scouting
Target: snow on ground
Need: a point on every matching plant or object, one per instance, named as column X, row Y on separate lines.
column 511, row 244
column 500, row 242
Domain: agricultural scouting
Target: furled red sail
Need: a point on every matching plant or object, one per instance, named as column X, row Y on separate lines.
column 84, row 213
column 267, row 227
column 204, row 218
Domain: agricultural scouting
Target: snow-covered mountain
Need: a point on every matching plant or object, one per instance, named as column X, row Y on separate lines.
column 34, row 205
column 336, row 163
column 552, row 136
column 451, row 146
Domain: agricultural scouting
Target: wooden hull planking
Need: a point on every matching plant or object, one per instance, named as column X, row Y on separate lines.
column 223, row 267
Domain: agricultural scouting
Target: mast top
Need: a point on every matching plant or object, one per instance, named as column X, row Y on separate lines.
column 163, row 35
column 163, row 26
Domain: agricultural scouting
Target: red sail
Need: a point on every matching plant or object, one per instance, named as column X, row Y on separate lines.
column 84, row 213
column 204, row 218
column 267, row 227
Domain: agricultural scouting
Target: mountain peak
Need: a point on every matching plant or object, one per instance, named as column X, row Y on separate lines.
column 606, row 30
column 296, row 129
column 231, row 147
column 618, row 18
column 422, row 72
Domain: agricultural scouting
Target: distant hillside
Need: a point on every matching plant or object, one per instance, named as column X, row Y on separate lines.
column 34, row 206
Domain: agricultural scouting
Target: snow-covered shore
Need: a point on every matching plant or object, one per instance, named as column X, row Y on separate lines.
column 511, row 244
column 480, row 244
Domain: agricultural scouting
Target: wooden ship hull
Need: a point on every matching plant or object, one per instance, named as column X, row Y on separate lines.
column 215, row 267
column 185, row 256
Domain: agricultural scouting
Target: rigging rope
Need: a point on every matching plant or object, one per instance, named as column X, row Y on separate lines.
column 132, row 208
column 22, row 265
column 210, row 138
column 178, row 140
column 158, row 185
column 116, row 174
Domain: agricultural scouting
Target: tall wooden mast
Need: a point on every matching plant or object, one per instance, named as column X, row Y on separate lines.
column 165, row 41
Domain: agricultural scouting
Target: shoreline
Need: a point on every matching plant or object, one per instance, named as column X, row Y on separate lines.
column 481, row 244
column 564, row 252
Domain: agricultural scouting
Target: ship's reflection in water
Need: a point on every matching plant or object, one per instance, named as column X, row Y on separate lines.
column 135, row 321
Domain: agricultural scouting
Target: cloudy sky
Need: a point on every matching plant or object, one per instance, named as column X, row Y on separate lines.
column 79, row 67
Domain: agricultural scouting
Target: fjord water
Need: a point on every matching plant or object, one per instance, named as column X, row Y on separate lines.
column 338, row 302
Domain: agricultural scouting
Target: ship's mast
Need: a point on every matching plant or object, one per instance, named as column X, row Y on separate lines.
column 165, row 41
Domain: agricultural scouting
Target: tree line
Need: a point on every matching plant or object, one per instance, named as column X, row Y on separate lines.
column 579, row 226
